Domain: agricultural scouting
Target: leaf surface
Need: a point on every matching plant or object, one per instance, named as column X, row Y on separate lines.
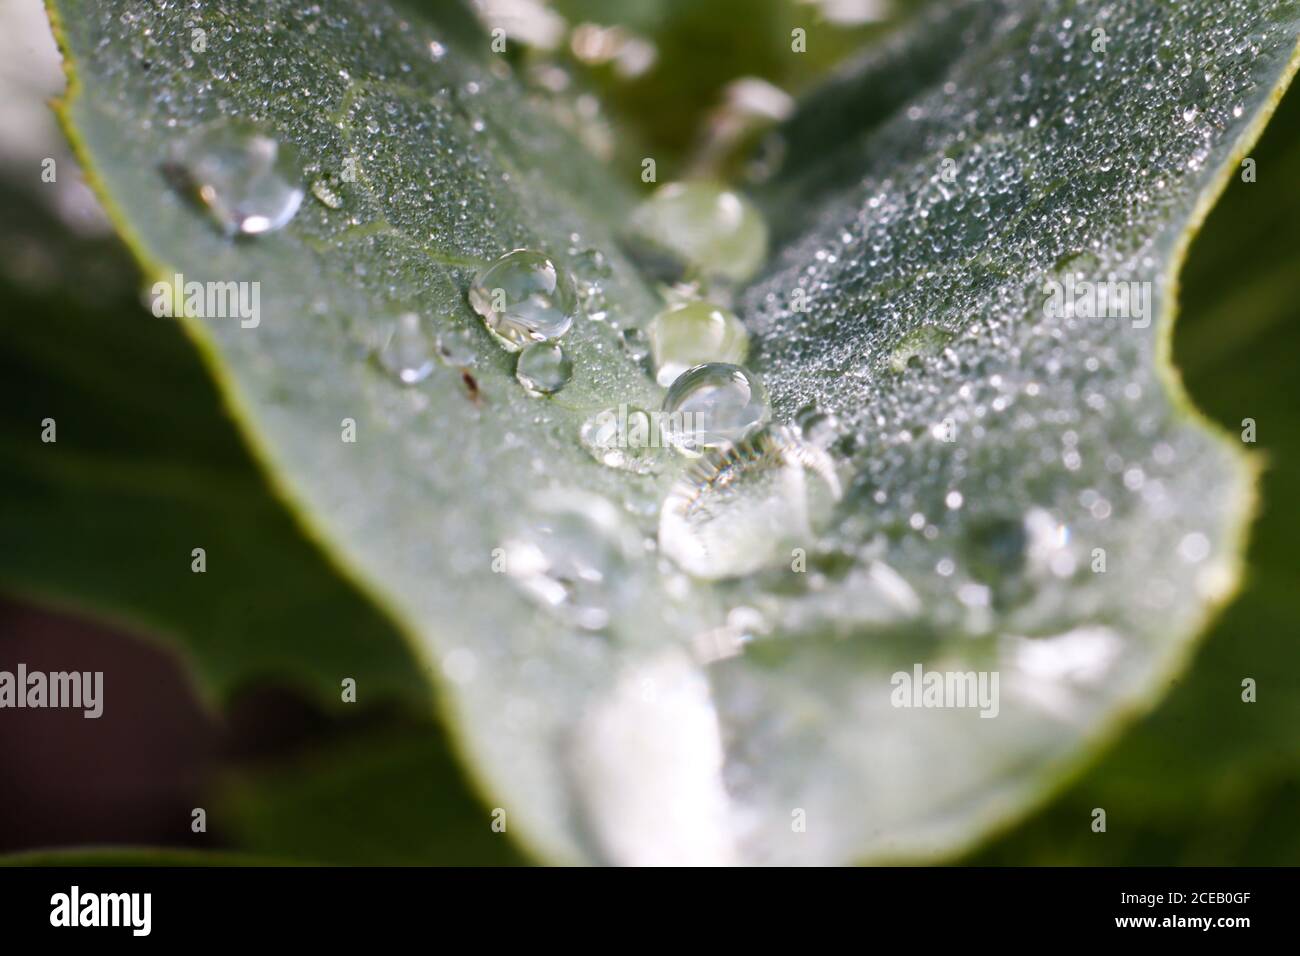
column 925, row 320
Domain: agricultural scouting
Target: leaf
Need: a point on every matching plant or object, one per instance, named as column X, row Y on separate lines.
column 1077, row 436
column 134, row 856
column 623, row 746
column 1209, row 778
column 146, row 467
column 376, row 802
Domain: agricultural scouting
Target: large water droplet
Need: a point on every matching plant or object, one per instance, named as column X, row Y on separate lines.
column 248, row 181
column 741, row 510
column 406, row 350
column 524, row 297
column 624, row 438
column 713, row 405
column 571, row 555
column 543, row 368
column 695, row 334
column 700, row 227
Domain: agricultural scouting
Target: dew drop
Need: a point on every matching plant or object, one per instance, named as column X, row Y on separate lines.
column 543, row 368
column 325, row 192
column 915, row 345
column 524, row 297
column 406, row 351
column 739, row 510
column 247, row 180
column 817, row 426
column 695, row 334
column 634, row 343
column 455, row 346
column 699, row 227
column 591, row 268
column 714, row 405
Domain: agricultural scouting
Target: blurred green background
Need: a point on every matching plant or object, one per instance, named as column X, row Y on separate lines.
column 283, row 770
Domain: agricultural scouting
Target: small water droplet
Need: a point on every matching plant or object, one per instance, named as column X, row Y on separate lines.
column 455, row 346
column 405, row 349
column 699, row 227
column 713, row 405
column 916, row 344
column 524, row 297
column 324, row 191
column 248, row 181
column 591, row 264
column 543, row 368
column 817, row 426
column 634, row 343
column 1190, row 113
column 695, row 334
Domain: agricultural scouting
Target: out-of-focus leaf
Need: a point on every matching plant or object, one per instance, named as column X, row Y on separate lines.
column 970, row 554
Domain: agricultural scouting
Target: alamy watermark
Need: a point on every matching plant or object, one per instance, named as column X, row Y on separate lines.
column 1112, row 298
column 208, row 300
column 75, row 908
column 629, row 427
column 82, row 690
column 946, row 689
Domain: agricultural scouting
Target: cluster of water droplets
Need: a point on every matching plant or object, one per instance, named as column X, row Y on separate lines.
column 745, row 487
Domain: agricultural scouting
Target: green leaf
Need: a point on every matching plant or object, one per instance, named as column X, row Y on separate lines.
column 1069, row 433
column 1076, row 435
column 134, row 856
column 146, row 467
column 1209, row 778
column 380, row 801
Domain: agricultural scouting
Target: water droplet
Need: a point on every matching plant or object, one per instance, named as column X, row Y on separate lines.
column 817, row 427
column 1189, row 113
column 699, row 227
column 405, row 349
column 625, row 438
column 591, row 264
column 590, row 268
column 571, row 556
column 714, row 405
column 695, row 334
column 524, row 297
column 916, row 344
column 737, row 511
column 634, row 343
column 248, row 181
column 455, row 346
column 324, row 191
column 543, row 368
